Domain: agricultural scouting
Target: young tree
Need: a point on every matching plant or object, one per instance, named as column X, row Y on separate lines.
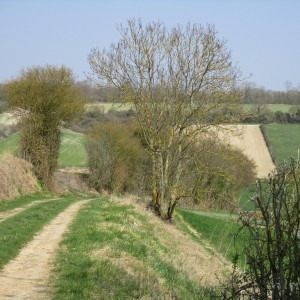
column 180, row 82
column 44, row 97
column 273, row 248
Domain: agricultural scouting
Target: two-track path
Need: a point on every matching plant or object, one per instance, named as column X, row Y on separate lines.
column 26, row 277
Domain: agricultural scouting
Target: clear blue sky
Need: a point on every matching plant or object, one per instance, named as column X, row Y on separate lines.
column 264, row 35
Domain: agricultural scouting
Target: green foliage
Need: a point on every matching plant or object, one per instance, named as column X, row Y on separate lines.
column 117, row 161
column 44, row 97
column 216, row 173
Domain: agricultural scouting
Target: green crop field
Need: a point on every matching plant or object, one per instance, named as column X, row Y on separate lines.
column 284, row 140
column 72, row 152
column 285, row 108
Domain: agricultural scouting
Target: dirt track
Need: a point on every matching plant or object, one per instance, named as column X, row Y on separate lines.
column 252, row 143
column 26, row 276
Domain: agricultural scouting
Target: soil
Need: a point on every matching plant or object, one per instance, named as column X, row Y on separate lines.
column 251, row 141
column 26, row 277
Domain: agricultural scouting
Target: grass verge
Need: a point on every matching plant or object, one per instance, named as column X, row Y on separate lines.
column 113, row 252
column 223, row 234
column 18, row 230
column 23, row 201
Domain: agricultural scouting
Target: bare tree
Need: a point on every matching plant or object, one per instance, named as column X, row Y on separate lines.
column 180, row 82
column 273, row 247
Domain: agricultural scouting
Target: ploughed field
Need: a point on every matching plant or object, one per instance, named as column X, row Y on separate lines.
column 250, row 140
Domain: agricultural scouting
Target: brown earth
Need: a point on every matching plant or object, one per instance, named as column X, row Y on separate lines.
column 250, row 140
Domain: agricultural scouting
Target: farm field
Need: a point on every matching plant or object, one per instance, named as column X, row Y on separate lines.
column 284, row 140
column 251, row 142
column 72, row 151
column 285, row 108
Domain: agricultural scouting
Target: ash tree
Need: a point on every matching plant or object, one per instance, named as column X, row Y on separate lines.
column 44, row 97
column 181, row 82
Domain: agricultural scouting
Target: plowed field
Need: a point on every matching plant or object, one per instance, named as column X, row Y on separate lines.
column 251, row 141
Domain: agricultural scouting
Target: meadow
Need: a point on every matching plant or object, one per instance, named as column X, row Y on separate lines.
column 284, row 141
column 72, row 152
column 285, row 108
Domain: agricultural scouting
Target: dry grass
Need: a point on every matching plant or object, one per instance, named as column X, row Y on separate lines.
column 183, row 253
column 16, row 177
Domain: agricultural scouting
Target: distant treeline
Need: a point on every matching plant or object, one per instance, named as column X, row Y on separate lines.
column 259, row 97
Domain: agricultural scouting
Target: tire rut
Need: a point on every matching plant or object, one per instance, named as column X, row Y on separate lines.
column 10, row 213
column 26, row 276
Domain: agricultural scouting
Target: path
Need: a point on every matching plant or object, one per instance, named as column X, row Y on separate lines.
column 7, row 214
column 26, row 277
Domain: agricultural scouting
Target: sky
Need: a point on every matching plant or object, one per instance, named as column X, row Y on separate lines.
column 263, row 35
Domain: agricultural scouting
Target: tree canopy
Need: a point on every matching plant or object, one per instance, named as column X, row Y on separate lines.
column 181, row 82
column 44, row 97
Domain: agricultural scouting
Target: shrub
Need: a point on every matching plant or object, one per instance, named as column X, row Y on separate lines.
column 217, row 172
column 117, row 160
column 273, row 250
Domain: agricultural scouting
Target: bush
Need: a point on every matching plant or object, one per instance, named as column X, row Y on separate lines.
column 273, row 248
column 117, row 160
column 217, row 172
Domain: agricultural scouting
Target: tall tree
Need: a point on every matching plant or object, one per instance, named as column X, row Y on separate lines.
column 180, row 82
column 44, row 97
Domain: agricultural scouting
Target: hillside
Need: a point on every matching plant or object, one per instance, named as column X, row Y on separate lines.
column 251, row 141
column 113, row 249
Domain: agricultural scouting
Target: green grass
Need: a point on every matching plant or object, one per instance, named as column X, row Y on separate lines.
column 22, row 201
column 72, row 152
column 112, row 252
column 18, row 230
column 285, row 108
column 284, row 140
column 10, row 144
column 222, row 233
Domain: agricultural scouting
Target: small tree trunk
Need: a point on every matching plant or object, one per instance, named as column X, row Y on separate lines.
column 171, row 209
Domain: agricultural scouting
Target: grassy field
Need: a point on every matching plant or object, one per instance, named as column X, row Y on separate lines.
column 72, row 151
column 284, row 140
column 285, row 108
